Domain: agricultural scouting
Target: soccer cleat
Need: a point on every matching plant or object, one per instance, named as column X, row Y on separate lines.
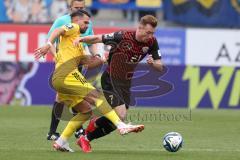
column 64, row 148
column 84, row 144
column 79, row 132
column 141, row 127
column 91, row 126
column 53, row 136
column 128, row 128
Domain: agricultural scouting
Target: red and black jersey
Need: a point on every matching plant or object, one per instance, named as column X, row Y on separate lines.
column 126, row 52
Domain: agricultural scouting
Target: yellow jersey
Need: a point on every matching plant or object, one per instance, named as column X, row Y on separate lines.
column 67, row 52
column 69, row 83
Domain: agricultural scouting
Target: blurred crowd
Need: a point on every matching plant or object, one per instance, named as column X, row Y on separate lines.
column 32, row 11
column 43, row 11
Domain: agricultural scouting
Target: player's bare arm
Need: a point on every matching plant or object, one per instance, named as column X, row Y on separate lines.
column 94, row 49
column 88, row 39
column 42, row 51
column 90, row 62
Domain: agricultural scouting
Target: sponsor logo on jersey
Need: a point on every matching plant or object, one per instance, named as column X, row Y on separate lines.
column 69, row 26
column 159, row 53
column 145, row 49
column 109, row 36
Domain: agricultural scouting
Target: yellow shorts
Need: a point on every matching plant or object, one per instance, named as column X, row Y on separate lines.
column 71, row 88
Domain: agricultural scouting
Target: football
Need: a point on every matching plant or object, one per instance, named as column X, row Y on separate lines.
column 172, row 141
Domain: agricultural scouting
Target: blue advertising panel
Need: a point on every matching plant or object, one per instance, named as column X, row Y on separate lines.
column 172, row 45
column 177, row 86
column 220, row 13
column 199, row 87
column 38, row 85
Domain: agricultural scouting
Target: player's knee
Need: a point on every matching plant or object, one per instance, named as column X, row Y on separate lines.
column 92, row 97
column 87, row 111
column 83, row 107
column 94, row 94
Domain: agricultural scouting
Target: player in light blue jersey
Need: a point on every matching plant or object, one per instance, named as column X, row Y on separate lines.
column 58, row 107
column 66, row 19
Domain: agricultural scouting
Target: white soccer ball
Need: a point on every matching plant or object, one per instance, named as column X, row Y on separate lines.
column 172, row 141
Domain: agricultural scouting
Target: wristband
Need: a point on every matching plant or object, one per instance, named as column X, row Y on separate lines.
column 49, row 43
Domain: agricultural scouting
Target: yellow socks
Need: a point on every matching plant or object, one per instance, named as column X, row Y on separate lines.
column 74, row 124
column 113, row 117
column 103, row 107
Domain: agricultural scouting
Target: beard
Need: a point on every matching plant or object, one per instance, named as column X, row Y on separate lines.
column 83, row 30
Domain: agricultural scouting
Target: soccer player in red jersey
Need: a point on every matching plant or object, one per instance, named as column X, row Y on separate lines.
column 128, row 49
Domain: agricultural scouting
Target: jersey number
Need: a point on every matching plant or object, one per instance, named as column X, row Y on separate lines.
column 135, row 58
column 111, row 98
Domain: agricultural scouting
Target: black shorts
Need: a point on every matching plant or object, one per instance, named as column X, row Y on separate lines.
column 116, row 92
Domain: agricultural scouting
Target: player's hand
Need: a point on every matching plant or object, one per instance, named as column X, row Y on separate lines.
column 106, row 56
column 91, row 61
column 150, row 60
column 77, row 41
column 42, row 51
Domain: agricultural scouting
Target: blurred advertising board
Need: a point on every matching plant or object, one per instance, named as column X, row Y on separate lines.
column 213, row 47
column 17, row 42
column 214, row 13
column 26, row 83
column 172, row 45
column 199, row 87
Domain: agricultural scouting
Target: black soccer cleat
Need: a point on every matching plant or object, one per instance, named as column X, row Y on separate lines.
column 53, row 136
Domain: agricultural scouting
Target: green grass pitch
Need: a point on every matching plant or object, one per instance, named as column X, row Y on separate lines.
column 208, row 135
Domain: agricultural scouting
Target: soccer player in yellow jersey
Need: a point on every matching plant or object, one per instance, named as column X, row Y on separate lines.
column 72, row 88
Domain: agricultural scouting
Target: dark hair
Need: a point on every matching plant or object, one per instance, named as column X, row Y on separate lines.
column 149, row 19
column 76, row 0
column 80, row 13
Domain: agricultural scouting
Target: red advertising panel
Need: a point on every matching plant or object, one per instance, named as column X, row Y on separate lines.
column 18, row 42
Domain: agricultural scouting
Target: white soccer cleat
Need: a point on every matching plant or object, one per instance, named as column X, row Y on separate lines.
column 63, row 148
column 128, row 128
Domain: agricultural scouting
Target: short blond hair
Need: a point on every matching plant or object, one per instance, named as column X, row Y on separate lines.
column 149, row 19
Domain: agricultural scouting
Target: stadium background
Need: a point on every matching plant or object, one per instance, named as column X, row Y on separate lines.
column 199, row 41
